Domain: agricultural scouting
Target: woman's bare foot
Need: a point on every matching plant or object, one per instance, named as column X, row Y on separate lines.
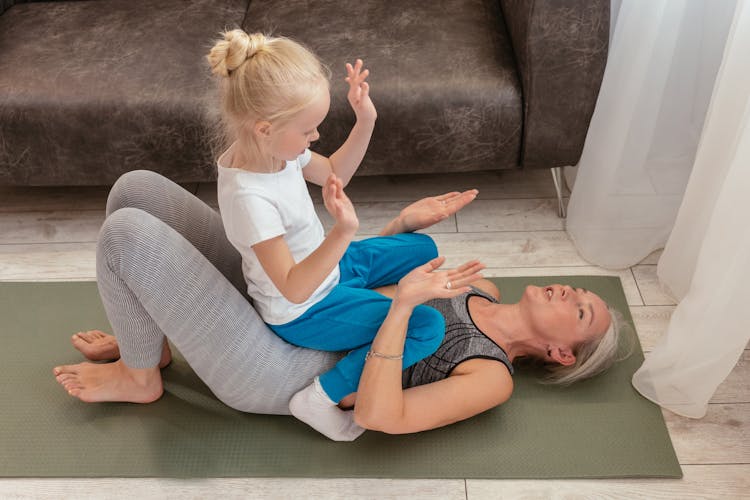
column 94, row 383
column 99, row 346
column 96, row 345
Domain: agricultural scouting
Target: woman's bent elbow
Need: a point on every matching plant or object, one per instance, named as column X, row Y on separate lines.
column 375, row 423
column 364, row 420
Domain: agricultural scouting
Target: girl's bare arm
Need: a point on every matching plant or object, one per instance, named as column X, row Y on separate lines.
column 298, row 280
column 346, row 160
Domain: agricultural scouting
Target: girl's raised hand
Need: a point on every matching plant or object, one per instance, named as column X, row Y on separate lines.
column 426, row 282
column 359, row 91
column 339, row 205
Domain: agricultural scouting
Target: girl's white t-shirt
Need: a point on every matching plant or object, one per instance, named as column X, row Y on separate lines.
column 256, row 207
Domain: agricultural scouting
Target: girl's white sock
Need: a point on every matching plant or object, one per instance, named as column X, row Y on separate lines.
column 313, row 406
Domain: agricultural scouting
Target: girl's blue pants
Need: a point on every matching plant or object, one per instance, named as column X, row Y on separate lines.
column 349, row 317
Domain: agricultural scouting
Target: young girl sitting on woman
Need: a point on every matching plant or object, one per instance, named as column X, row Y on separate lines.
column 313, row 290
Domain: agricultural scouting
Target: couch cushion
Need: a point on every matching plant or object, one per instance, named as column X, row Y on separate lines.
column 92, row 89
column 443, row 78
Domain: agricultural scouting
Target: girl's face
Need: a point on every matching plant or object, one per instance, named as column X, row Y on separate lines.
column 565, row 315
column 292, row 138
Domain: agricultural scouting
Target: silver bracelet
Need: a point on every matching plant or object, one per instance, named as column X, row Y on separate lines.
column 376, row 354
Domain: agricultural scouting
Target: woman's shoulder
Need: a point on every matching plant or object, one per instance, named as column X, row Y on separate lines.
column 487, row 287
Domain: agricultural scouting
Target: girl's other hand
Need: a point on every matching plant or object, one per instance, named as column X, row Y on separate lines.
column 339, row 205
column 359, row 92
column 426, row 282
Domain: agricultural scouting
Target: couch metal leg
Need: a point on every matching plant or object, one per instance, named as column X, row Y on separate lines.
column 557, row 177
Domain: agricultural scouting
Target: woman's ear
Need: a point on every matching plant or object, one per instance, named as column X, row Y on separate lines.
column 561, row 355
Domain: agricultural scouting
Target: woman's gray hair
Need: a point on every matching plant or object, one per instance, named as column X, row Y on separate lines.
column 594, row 356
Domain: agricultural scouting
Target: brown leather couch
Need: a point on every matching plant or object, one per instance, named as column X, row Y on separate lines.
column 92, row 89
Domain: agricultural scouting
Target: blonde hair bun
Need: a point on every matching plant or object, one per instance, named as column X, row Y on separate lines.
column 237, row 47
column 270, row 78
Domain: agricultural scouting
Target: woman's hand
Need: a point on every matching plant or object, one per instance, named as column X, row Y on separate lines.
column 426, row 282
column 339, row 205
column 359, row 92
column 428, row 211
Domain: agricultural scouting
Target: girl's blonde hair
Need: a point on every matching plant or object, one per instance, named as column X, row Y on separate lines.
column 263, row 78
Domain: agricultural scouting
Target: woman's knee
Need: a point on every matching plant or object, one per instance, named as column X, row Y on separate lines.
column 132, row 240
column 129, row 189
column 125, row 227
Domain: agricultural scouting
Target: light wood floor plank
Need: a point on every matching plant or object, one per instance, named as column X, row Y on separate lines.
column 50, row 262
column 510, row 215
column 60, row 226
column 651, row 290
column 515, row 215
column 736, row 387
column 721, row 437
column 651, row 322
column 700, row 482
column 230, row 488
column 512, row 249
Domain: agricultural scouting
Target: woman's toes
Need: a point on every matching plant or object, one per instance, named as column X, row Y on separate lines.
column 96, row 334
column 59, row 370
column 71, row 385
column 69, row 381
column 87, row 337
column 82, row 336
column 90, row 335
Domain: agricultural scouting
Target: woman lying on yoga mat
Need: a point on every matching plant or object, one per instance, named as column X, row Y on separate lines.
column 166, row 268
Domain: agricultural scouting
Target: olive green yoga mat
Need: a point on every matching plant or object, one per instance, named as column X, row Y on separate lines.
column 598, row 428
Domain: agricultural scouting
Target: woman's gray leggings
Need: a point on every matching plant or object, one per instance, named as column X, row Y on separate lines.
column 165, row 267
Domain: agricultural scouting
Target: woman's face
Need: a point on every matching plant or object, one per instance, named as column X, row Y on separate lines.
column 563, row 314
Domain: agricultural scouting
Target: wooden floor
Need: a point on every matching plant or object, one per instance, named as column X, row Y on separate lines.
column 50, row 233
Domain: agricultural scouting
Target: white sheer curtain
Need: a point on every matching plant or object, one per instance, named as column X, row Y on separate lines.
column 674, row 105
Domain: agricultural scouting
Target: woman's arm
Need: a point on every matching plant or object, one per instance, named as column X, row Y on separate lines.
column 482, row 384
column 298, row 280
column 381, row 402
column 345, row 161
column 428, row 211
